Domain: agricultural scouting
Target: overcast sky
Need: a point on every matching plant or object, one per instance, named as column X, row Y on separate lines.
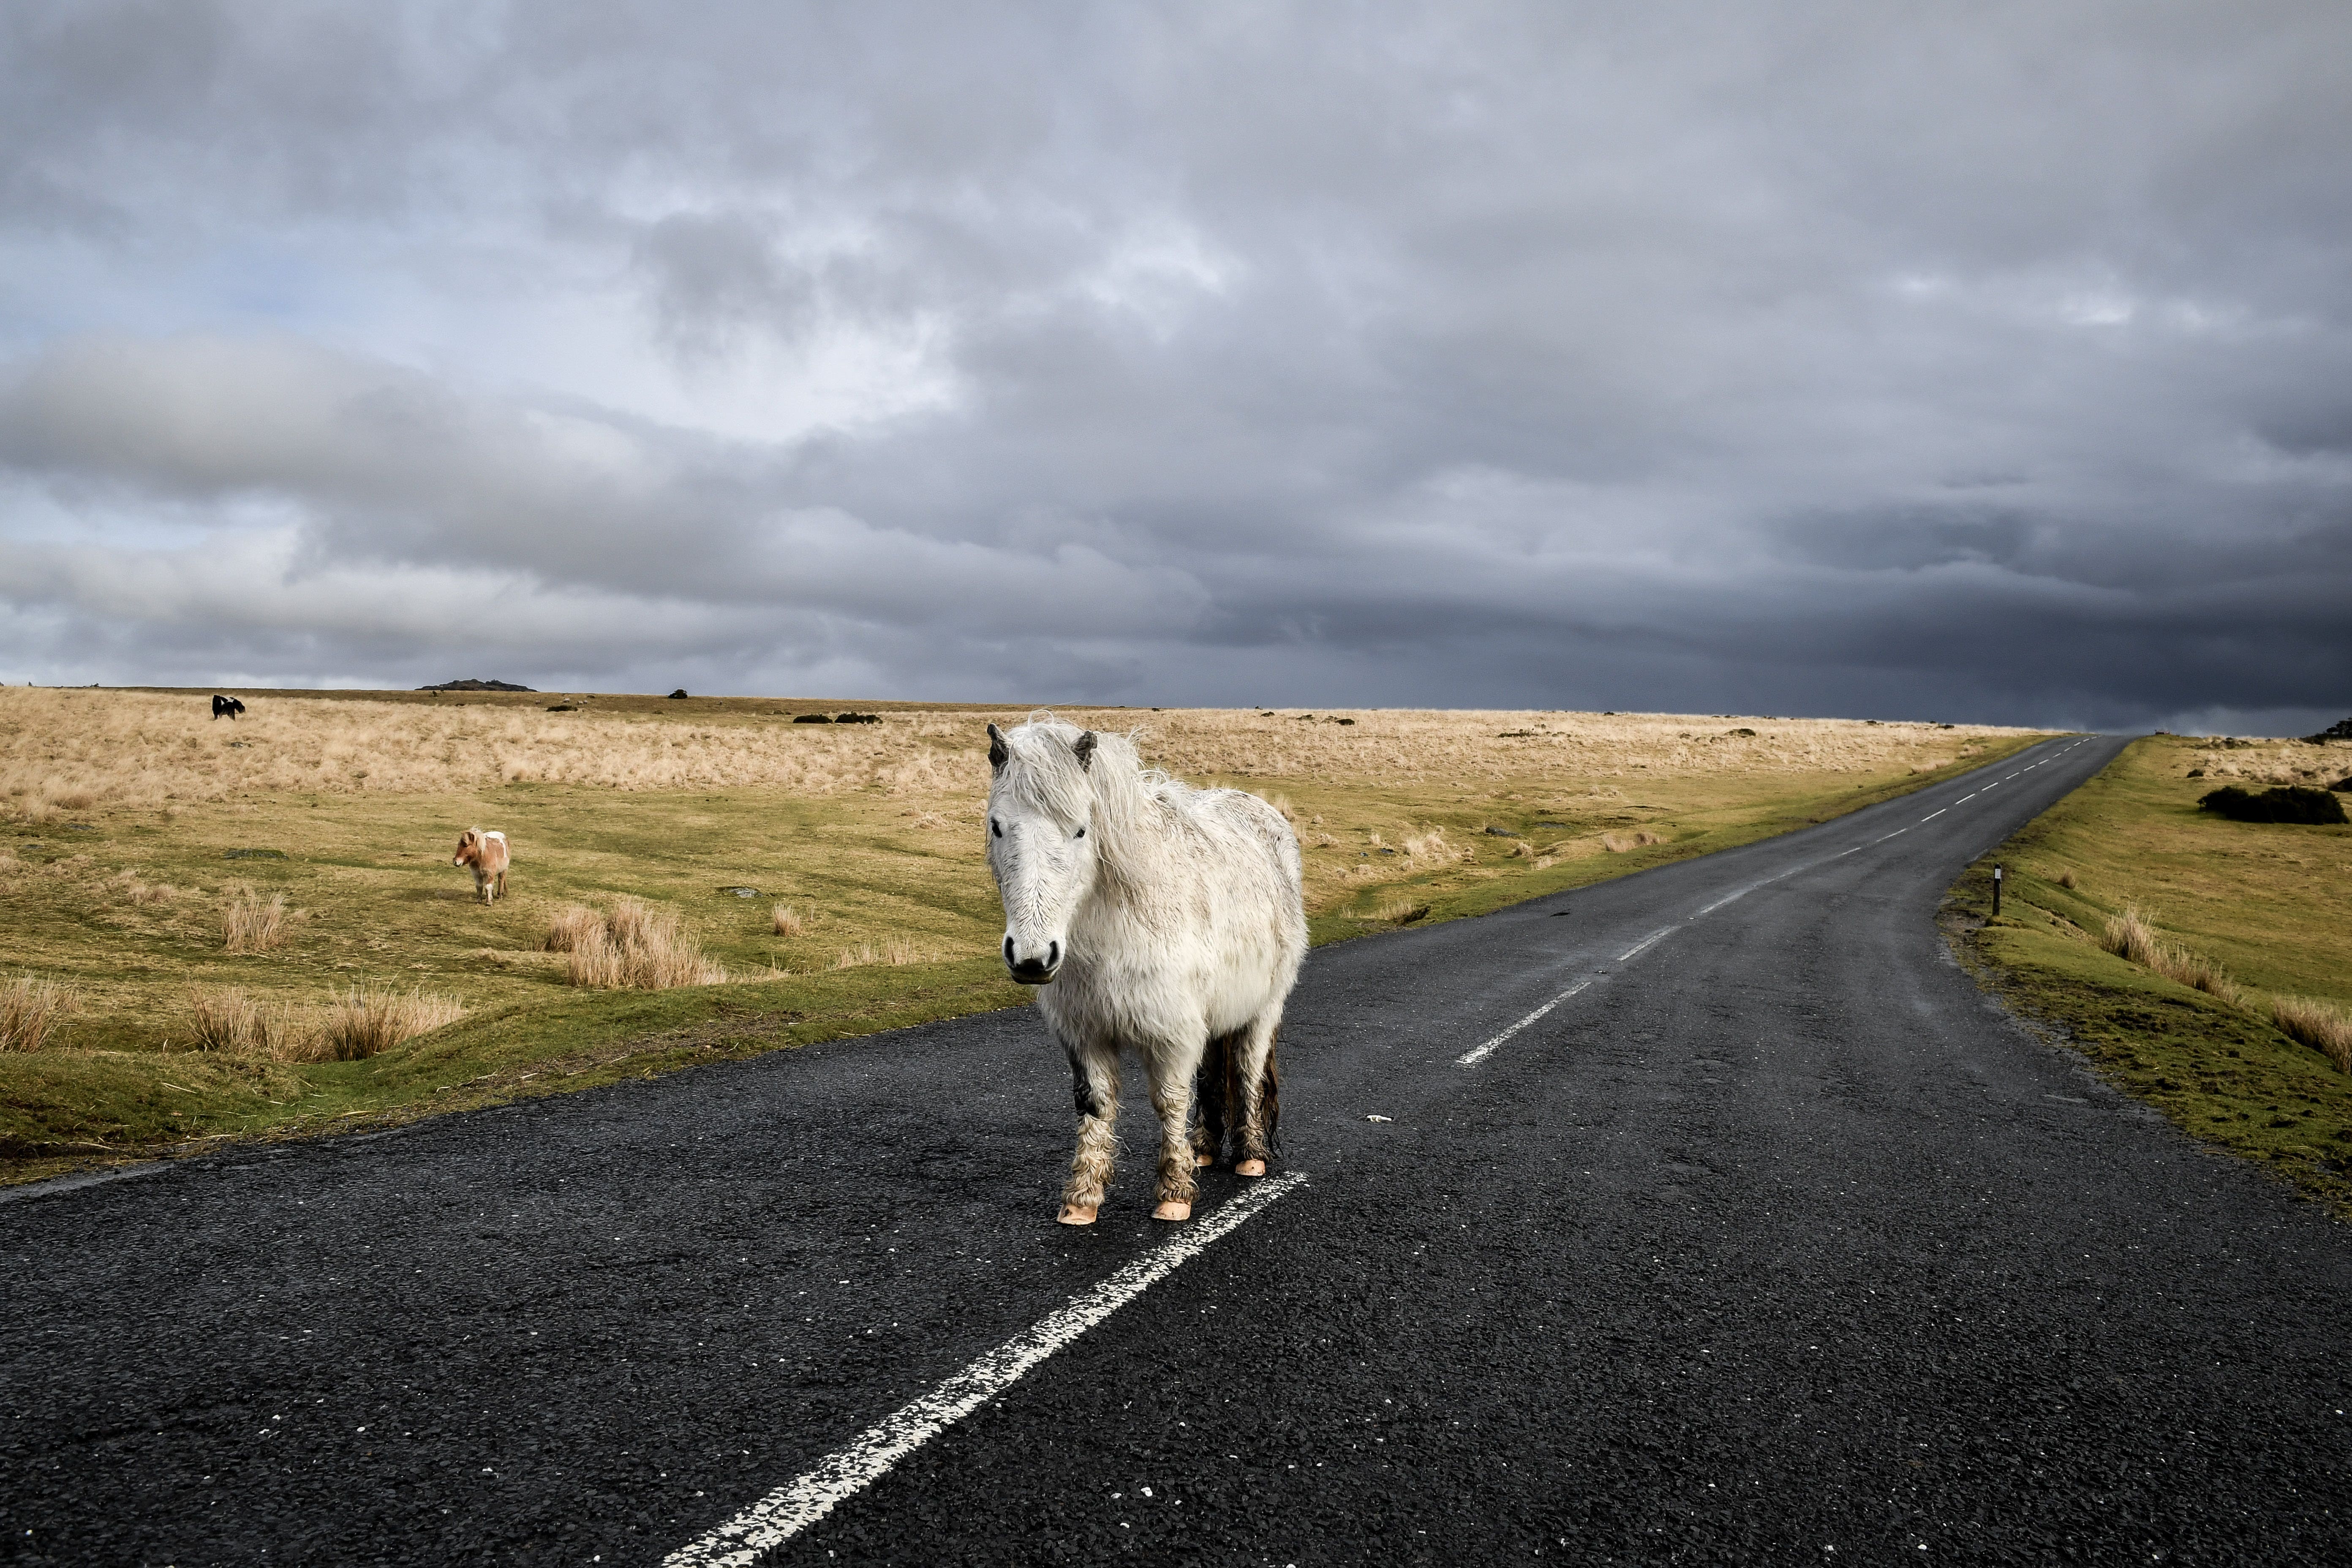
column 1983, row 362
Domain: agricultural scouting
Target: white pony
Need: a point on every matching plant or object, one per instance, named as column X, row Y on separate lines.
column 1157, row 918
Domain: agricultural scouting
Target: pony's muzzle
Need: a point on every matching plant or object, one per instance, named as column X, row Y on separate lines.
column 1032, row 970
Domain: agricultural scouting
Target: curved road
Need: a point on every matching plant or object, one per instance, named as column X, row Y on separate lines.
column 1749, row 1231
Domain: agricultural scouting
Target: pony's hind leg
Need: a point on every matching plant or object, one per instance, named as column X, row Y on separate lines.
column 1210, row 1086
column 1260, row 1083
column 1172, row 1097
column 1094, row 1085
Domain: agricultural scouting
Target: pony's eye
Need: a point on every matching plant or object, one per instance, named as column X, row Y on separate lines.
column 996, row 827
column 1082, row 833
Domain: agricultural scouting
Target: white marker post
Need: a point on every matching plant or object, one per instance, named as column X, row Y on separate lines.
column 1996, row 892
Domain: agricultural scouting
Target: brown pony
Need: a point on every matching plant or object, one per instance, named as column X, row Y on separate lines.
column 487, row 854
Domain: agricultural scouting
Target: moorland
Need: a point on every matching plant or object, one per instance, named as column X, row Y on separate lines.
column 222, row 928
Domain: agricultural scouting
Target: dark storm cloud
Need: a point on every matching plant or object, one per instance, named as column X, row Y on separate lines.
column 1838, row 358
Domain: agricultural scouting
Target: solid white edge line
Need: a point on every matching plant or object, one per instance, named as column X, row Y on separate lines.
column 846, row 1471
column 1476, row 1054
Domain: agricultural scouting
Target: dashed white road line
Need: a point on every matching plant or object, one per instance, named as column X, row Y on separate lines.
column 846, row 1471
column 1479, row 1053
column 1472, row 1057
column 1636, row 951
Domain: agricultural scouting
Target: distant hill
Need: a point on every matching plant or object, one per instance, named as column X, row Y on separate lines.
column 474, row 686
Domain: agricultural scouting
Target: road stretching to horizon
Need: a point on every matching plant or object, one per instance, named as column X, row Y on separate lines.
column 1710, row 1214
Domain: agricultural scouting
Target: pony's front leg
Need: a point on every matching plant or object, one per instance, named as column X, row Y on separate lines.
column 1172, row 1097
column 1093, row 1084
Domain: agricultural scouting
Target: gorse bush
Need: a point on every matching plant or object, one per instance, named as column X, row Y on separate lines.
column 2287, row 803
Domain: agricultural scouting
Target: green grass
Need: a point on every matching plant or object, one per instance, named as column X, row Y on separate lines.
column 376, row 903
column 2268, row 900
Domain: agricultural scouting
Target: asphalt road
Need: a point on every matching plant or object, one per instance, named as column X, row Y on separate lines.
column 1773, row 1242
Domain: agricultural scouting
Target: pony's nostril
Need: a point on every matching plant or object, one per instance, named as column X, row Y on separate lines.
column 1008, row 947
column 1053, row 955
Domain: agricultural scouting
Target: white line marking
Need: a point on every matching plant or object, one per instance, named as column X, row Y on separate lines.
column 1965, row 799
column 842, row 1474
column 1477, row 1054
column 1630, row 953
column 1471, row 1059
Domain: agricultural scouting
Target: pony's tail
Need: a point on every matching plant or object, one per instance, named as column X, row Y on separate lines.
column 1218, row 1090
column 1269, row 1104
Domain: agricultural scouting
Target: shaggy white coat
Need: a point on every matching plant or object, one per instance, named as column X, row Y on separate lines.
column 1166, row 916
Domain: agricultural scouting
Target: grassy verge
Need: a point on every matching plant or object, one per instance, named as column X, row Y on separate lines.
column 2265, row 903
column 136, row 830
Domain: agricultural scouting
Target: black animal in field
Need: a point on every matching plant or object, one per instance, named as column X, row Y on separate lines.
column 227, row 707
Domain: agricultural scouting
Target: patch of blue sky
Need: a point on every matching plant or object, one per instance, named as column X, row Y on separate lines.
column 35, row 512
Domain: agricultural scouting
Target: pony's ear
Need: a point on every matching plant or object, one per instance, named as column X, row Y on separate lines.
column 1085, row 747
column 997, row 752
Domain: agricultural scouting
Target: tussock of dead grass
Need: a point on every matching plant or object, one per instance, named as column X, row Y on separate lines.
column 2319, row 1025
column 785, row 921
column 360, row 1024
column 894, row 949
column 1624, row 843
column 30, row 1012
column 351, row 1027
column 633, row 946
column 2130, row 937
column 569, row 927
column 248, row 925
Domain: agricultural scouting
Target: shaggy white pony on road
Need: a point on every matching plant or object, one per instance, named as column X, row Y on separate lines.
column 1156, row 918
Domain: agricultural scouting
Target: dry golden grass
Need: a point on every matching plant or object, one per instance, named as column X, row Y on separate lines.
column 139, row 749
column 30, row 1011
column 2130, row 937
column 348, row 1028
column 2319, row 1025
column 783, row 921
column 358, row 1024
column 633, row 946
column 893, row 949
column 570, row 927
column 2258, row 762
column 250, row 925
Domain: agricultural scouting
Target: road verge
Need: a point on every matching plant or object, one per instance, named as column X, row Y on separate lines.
column 2256, row 902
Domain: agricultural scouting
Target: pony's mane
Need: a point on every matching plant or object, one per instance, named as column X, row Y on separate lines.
column 1042, row 770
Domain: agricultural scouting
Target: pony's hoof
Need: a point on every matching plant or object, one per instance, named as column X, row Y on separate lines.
column 1072, row 1215
column 1172, row 1209
column 1202, row 1162
column 1250, row 1168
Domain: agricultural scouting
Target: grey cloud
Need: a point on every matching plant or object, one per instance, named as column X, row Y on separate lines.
column 1985, row 362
